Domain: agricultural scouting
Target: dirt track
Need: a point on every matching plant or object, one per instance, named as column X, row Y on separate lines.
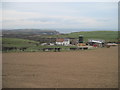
column 79, row 69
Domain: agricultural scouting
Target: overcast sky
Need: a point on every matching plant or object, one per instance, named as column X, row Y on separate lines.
column 60, row 15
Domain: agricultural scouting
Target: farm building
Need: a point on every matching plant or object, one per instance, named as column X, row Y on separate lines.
column 96, row 42
column 63, row 41
column 73, row 41
column 80, row 38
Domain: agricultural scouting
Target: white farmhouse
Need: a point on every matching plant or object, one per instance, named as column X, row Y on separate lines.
column 63, row 41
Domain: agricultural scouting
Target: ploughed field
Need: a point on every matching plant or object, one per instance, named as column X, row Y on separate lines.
column 75, row 69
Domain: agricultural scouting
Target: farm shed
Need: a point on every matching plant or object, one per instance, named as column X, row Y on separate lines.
column 96, row 42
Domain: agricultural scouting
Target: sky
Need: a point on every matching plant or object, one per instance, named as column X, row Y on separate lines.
column 61, row 16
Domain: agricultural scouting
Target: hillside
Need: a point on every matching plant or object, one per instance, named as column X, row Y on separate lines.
column 14, row 42
column 18, row 33
column 36, row 35
column 106, row 35
column 33, row 43
column 30, row 45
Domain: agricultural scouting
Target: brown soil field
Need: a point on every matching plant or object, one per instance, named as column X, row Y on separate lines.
column 75, row 69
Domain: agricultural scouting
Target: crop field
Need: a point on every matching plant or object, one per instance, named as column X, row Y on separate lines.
column 78, row 69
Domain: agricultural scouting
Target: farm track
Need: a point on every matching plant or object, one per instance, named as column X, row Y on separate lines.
column 78, row 69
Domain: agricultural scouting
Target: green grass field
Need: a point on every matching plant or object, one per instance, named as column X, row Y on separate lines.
column 8, row 42
column 105, row 35
column 32, row 45
column 14, row 42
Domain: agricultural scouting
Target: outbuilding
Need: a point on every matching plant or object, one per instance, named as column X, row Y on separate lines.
column 96, row 42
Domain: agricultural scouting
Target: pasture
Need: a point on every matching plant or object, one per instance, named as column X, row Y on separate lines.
column 111, row 36
column 77, row 69
column 18, row 45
